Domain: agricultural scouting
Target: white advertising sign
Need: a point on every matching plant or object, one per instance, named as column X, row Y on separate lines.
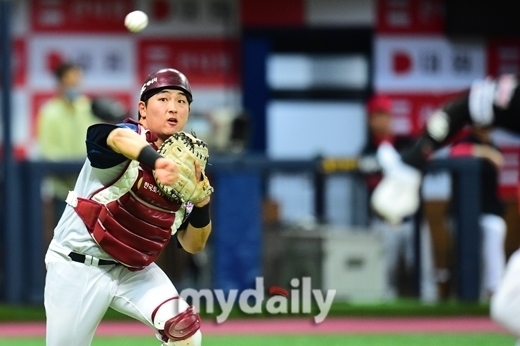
column 426, row 63
column 108, row 61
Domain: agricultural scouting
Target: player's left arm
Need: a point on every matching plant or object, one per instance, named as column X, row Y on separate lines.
column 193, row 238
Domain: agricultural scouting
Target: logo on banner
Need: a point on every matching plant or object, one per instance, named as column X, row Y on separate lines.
column 416, row 63
column 53, row 60
column 109, row 65
column 401, row 62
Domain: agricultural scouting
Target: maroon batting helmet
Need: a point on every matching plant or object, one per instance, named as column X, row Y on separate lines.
column 167, row 78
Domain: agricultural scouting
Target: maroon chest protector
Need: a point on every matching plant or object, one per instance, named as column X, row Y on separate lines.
column 135, row 228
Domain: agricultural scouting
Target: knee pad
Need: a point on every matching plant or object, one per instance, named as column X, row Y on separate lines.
column 177, row 321
column 194, row 340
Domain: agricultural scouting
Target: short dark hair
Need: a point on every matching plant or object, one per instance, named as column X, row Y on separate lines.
column 65, row 67
column 148, row 95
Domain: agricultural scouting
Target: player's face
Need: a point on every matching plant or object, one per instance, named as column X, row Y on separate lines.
column 380, row 124
column 69, row 83
column 72, row 78
column 165, row 112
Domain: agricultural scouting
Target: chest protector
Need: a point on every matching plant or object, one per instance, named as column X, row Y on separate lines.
column 130, row 219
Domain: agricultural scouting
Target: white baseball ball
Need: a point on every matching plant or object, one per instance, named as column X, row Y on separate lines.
column 136, row 21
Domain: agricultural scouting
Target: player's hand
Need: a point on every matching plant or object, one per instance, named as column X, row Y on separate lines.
column 200, row 176
column 490, row 154
column 166, row 171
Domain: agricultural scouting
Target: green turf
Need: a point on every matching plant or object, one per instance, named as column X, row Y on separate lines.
column 400, row 307
column 480, row 339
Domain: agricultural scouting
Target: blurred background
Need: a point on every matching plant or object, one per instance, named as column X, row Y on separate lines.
column 280, row 95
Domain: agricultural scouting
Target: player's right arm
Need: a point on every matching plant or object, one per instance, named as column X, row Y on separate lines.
column 109, row 145
column 126, row 142
column 487, row 103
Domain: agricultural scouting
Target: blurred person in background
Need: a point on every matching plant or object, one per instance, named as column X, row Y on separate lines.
column 398, row 238
column 478, row 143
column 62, row 126
column 493, row 101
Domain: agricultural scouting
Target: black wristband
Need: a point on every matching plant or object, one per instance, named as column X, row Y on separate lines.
column 199, row 217
column 148, row 156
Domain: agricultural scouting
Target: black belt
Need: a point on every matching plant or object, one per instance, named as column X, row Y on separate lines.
column 89, row 260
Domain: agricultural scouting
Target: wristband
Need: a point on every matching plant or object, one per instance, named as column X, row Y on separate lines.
column 148, row 156
column 199, row 217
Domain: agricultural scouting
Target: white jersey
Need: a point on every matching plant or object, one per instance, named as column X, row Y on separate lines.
column 71, row 234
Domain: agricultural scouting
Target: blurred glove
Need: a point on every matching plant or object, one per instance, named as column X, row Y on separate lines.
column 108, row 109
column 398, row 194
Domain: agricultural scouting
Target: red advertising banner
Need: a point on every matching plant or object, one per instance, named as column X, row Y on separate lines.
column 206, row 62
column 411, row 111
column 508, row 178
column 410, row 16
column 79, row 15
column 503, row 57
column 19, row 62
column 261, row 14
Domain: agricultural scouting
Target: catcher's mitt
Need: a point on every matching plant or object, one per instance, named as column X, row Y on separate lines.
column 185, row 149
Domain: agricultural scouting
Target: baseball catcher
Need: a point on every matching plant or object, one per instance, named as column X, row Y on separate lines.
column 142, row 185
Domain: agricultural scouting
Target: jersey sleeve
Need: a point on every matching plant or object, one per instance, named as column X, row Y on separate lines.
column 98, row 152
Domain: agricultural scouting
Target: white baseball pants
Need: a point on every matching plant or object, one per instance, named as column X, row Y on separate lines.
column 505, row 302
column 77, row 297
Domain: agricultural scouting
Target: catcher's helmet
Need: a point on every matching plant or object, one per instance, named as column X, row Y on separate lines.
column 166, row 78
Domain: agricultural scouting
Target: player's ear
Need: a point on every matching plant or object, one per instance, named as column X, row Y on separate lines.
column 141, row 109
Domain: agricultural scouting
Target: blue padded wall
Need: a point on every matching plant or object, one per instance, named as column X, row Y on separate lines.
column 237, row 230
